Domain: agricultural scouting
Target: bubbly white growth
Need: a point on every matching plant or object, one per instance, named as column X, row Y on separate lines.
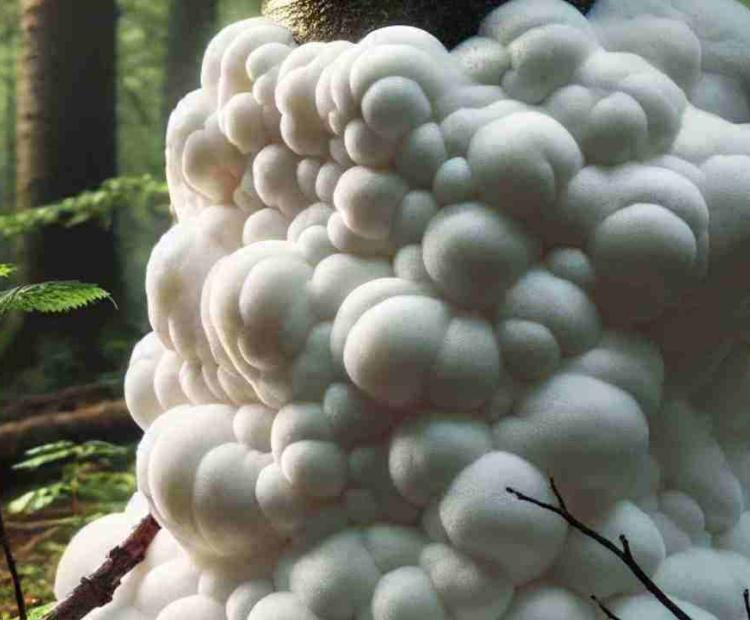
column 402, row 279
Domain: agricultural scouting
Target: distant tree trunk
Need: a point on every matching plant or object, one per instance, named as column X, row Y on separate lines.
column 10, row 144
column 191, row 26
column 65, row 143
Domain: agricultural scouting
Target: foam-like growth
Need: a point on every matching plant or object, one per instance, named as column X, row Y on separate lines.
column 402, row 279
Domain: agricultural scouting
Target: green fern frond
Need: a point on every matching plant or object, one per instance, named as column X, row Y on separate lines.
column 61, row 296
column 6, row 270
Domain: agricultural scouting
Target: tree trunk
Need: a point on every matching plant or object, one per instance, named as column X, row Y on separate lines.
column 451, row 21
column 9, row 195
column 65, row 143
column 191, row 26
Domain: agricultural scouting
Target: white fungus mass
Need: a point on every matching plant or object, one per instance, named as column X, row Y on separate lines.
column 402, row 279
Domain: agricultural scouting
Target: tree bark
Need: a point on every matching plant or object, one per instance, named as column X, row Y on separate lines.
column 65, row 143
column 9, row 37
column 108, row 420
column 191, row 26
column 97, row 589
column 451, row 21
column 68, row 399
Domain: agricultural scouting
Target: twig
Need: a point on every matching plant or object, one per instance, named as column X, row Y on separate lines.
column 37, row 540
column 11, row 562
column 625, row 554
column 601, row 606
column 97, row 589
column 746, row 597
column 30, row 526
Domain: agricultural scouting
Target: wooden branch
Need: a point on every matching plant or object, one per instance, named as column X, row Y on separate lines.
column 11, row 562
column 98, row 589
column 746, row 597
column 67, row 399
column 104, row 420
column 625, row 554
column 42, row 524
column 36, row 540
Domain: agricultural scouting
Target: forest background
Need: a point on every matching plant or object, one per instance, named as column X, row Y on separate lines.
column 86, row 88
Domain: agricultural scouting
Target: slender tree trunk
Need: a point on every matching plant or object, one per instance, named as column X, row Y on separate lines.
column 191, row 26
column 9, row 196
column 65, row 143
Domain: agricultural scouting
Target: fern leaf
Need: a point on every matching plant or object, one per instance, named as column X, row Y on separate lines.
column 6, row 270
column 57, row 296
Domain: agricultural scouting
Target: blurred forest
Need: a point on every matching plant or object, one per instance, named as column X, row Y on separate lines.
column 86, row 87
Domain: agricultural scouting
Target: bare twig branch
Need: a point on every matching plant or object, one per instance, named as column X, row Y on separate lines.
column 11, row 562
column 746, row 597
column 601, row 606
column 624, row 554
column 36, row 541
column 97, row 590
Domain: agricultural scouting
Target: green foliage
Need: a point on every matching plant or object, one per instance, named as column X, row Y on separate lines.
column 60, row 451
column 47, row 297
column 95, row 472
column 84, row 482
column 37, row 587
column 37, row 613
column 6, row 270
column 235, row 10
column 99, row 203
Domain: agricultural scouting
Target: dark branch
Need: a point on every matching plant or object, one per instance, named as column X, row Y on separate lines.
column 624, row 554
column 97, row 590
column 746, row 597
column 601, row 606
column 11, row 562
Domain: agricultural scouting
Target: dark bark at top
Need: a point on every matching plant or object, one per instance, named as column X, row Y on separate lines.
column 191, row 25
column 329, row 20
column 65, row 143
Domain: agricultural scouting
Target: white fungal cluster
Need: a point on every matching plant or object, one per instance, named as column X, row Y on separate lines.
column 403, row 279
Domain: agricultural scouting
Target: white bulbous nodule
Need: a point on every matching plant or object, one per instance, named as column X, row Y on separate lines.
column 402, row 279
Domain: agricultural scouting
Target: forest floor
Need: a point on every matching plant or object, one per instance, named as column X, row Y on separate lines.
column 38, row 541
column 60, row 488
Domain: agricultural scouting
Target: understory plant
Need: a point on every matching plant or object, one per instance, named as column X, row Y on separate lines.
column 48, row 297
column 95, row 472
